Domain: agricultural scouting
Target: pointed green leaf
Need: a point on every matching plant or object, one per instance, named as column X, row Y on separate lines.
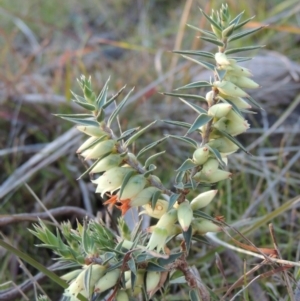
column 85, row 104
column 236, row 20
column 118, row 109
column 151, row 168
column 217, row 154
column 137, row 230
column 237, row 26
column 90, row 168
column 152, row 158
column 241, row 49
column 75, row 115
column 242, row 59
column 108, row 102
column 195, row 52
column 138, row 134
column 211, row 21
column 108, row 256
column 201, row 120
column 151, row 145
column 196, row 108
column 179, row 177
column 192, row 96
column 213, row 41
column 155, row 267
column 178, row 123
column 133, row 279
column 156, row 195
column 101, row 99
column 178, row 280
column 128, row 133
column 206, row 65
column 125, row 181
column 186, row 140
column 194, row 295
column 244, row 33
column 254, row 102
column 87, row 279
column 198, row 84
column 81, row 121
column 205, row 32
column 170, row 259
column 132, row 265
column 187, row 235
column 186, row 165
column 234, row 140
column 173, row 198
column 220, row 73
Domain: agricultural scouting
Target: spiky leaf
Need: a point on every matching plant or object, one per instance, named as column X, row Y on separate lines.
column 201, row 120
column 151, row 145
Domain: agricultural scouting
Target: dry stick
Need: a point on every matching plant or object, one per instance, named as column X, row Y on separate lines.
column 285, row 275
column 24, row 217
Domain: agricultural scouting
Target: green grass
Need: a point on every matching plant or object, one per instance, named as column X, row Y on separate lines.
column 131, row 42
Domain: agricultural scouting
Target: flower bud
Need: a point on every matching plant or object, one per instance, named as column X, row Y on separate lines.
column 134, row 186
column 71, row 275
column 160, row 209
column 91, row 130
column 203, row 199
column 222, row 59
column 168, row 219
column 237, row 101
column 122, row 296
column 139, row 280
column 86, row 144
column 152, row 281
column 111, row 180
column 242, row 82
column 185, row 215
column 237, row 70
column 107, row 163
column 210, row 167
column 143, row 197
column 202, row 226
column 223, row 145
column 158, row 238
column 236, row 124
column 210, row 98
column 200, row 155
column 219, row 110
column 108, row 281
column 220, row 124
column 99, row 149
column 215, row 177
column 228, row 88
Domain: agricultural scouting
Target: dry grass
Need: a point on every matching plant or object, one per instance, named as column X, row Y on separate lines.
column 46, row 45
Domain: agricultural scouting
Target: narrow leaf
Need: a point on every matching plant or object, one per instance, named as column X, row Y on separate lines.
column 187, row 235
column 210, row 20
column 194, row 52
column 186, row 165
column 138, row 134
column 118, row 109
column 179, row 280
column 196, row 108
column 237, row 26
column 101, row 99
column 155, row 267
column 81, row 121
column 132, row 278
column 90, row 168
column 128, row 133
column 125, row 181
column 178, row 123
column 85, row 105
column 114, row 97
column 213, row 41
column 170, row 259
column 192, row 96
column 201, row 120
column 151, row 168
column 220, row 73
column 217, row 154
column 186, row 140
column 236, row 20
column 234, row 140
column 155, row 198
column 206, row 65
column 132, row 265
column 194, row 296
column 173, row 198
column 241, row 49
column 151, row 145
column 199, row 84
column 152, row 158
column 254, row 102
column 75, row 115
column 205, row 32
column 87, row 279
column 244, row 33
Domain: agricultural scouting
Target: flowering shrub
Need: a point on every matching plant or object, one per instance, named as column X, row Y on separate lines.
column 124, row 265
